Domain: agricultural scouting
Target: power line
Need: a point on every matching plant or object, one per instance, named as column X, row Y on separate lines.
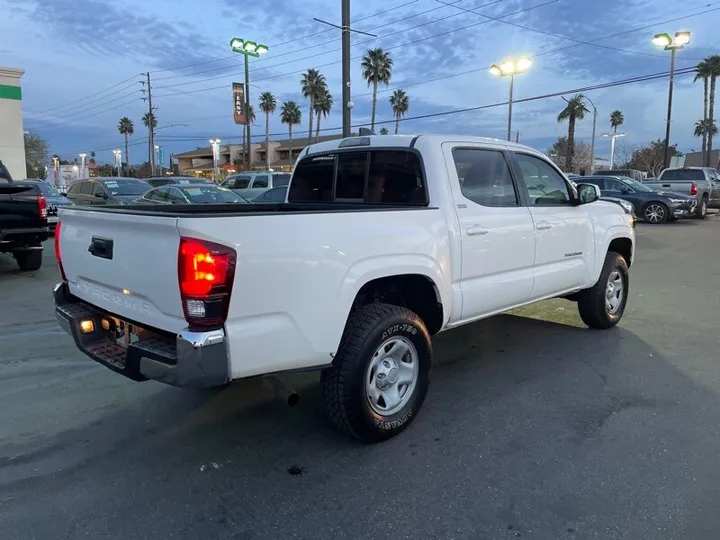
column 83, row 114
column 142, row 140
column 558, row 49
column 53, row 109
column 294, row 41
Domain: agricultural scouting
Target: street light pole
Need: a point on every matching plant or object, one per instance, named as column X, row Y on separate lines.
column 671, row 44
column 510, row 68
column 346, row 94
column 247, row 48
column 612, row 136
column 216, row 157
column 592, row 142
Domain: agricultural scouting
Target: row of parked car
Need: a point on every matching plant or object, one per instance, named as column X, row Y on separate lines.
column 686, row 192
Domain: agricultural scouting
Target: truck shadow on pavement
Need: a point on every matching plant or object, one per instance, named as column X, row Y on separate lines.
column 522, row 414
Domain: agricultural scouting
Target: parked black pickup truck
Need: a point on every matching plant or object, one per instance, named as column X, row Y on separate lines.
column 23, row 220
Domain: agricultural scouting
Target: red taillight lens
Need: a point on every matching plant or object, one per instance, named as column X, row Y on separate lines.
column 205, row 273
column 42, row 206
column 58, row 254
column 693, row 189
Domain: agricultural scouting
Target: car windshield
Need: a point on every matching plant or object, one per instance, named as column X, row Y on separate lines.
column 126, row 187
column 637, row 186
column 211, row 195
column 47, row 190
column 683, row 174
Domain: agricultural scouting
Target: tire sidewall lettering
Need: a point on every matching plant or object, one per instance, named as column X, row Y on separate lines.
column 399, row 328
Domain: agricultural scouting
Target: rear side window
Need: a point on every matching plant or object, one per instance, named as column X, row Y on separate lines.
column 280, row 180
column 683, row 174
column 374, row 177
column 260, row 182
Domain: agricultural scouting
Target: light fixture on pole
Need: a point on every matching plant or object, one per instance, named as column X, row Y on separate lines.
column 671, row 44
column 82, row 164
column 118, row 160
column 592, row 142
column 216, row 156
column 510, row 68
column 159, row 157
column 247, row 49
column 612, row 136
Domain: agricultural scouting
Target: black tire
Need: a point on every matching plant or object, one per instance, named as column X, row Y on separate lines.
column 702, row 208
column 29, row 260
column 591, row 302
column 344, row 384
column 652, row 209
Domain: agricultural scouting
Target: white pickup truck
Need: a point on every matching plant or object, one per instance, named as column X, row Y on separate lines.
column 384, row 241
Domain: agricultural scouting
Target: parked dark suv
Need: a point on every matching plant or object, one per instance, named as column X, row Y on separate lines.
column 107, row 190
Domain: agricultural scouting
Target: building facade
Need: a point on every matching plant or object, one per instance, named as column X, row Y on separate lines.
column 12, row 138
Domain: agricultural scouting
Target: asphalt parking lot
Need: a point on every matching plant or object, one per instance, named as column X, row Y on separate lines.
column 534, row 428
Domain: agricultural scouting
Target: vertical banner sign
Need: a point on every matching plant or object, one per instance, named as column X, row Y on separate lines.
column 239, row 102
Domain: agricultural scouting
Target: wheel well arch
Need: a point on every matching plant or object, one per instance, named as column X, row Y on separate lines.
column 416, row 292
column 623, row 247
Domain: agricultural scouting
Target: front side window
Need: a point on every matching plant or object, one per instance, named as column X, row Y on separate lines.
column 157, row 195
column 86, row 188
column 260, row 182
column 485, row 177
column 544, row 185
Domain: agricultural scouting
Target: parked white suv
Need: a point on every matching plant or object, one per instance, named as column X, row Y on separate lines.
column 384, row 242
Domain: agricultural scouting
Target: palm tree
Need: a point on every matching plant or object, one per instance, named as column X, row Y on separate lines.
column 575, row 109
column 376, row 68
column 702, row 72
column 703, row 128
column 150, row 122
column 312, row 85
column 323, row 106
column 250, row 120
column 268, row 104
column 713, row 67
column 400, row 103
column 616, row 120
column 384, row 131
column 127, row 129
column 291, row 115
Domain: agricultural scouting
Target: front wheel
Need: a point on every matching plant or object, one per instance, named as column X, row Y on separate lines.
column 380, row 375
column 656, row 213
column 701, row 211
column 602, row 305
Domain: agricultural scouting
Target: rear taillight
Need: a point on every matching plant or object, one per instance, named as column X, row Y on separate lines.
column 205, row 273
column 42, row 206
column 693, row 189
column 58, row 254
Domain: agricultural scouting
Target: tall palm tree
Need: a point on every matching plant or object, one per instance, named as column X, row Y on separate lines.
column 268, row 104
column 291, row 115
column 377, row 68
column 703, row 128
column 400, row 103
column 713, row 63
column 250, row 120
column 312, row 85
column 126, row 129
column 574, row 110
column 150, row 122
column 702, row 72
column 323, row 106
column 616, row 120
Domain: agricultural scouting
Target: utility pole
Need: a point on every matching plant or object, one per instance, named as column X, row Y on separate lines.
column 151, row 126
column 346, row 28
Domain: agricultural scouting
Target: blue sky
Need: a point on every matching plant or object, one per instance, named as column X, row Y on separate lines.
column 76, row 53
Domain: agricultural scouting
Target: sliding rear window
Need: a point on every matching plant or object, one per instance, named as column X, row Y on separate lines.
column 371, row 177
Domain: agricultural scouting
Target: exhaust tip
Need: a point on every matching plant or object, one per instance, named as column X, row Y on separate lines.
column 293, row 399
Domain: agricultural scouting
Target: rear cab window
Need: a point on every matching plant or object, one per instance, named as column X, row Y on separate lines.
column 688, row 175
column 375, row 176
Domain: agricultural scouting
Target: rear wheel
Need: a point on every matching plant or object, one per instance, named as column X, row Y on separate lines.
column 655, row 213
column 380, row 375
column 602, row 306
column 702, row 208
column 29, row 260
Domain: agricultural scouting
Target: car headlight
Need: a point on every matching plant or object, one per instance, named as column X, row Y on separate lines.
column 677, row 201
column 628, row 207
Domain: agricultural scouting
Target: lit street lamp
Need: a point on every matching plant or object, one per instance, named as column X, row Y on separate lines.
column 118, row 160
column 82, row 165
column 159, row 155
column 612, row 136
column 671, row 44
column 216, row 156
column 510, row 68
column 247, row 49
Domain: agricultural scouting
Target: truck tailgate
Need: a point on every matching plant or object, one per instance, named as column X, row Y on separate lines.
column 125, row 264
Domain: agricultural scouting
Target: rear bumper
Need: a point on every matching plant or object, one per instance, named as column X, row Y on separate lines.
column 188, row 359
column 11, row 238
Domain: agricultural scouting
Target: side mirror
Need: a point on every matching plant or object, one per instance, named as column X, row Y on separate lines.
column 588, row 193
column 101, row 195
column 624, row 189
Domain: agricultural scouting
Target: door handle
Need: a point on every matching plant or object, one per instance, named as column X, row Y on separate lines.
column 543, row 225
column 666, row 185
column 475, row 230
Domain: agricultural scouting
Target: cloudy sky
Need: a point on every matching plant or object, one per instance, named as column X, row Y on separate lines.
column 83, row 60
